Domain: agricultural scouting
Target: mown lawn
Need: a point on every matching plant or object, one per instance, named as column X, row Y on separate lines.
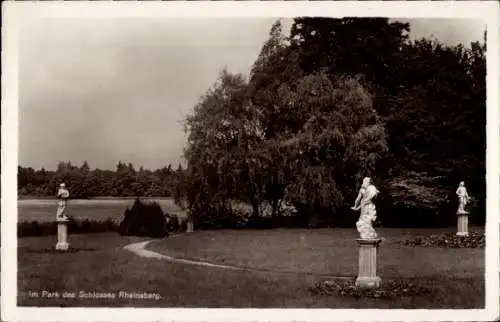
column 330, row 252
column 100, row 264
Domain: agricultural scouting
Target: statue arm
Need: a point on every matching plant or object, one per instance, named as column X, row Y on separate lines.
column 63, row 194
column 358, row 199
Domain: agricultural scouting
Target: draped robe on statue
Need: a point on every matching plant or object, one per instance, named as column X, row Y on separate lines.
column 368, row 211
column 62, row 195
column 463, row 198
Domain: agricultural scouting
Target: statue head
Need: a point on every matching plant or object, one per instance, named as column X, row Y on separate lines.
column 62, row 186
column 366, row 182
column 462, row 184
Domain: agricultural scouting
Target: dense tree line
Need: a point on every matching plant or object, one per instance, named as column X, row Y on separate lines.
column 337, row 100
column 125, row 181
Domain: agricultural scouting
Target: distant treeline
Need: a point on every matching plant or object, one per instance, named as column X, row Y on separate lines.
column 83, row 182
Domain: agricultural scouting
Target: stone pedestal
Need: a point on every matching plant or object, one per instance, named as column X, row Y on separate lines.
column 463, row 224
column 190, row 227
column 62, row 235
column 367, row 263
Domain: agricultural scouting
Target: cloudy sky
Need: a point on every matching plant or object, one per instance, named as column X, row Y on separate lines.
column 105, row 90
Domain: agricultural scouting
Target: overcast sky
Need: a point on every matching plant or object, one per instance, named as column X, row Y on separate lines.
column 105, row 90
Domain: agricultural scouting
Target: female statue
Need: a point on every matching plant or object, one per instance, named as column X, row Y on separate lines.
column 463, row 198
column 62, row 195
column 368, row 212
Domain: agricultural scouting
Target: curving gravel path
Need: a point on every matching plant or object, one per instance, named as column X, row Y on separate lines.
column 139, row 249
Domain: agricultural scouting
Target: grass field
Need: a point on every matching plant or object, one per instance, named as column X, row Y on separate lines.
column 323, row 251
column 100, row 264
column 43, row 210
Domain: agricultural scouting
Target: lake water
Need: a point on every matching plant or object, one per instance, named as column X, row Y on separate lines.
column 97, row 209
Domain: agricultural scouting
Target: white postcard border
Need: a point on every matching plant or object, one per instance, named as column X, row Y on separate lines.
column 17, row 13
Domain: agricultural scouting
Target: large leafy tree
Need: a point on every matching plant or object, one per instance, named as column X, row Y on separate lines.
column 321, row 130
column 431, row 98
column 333, row 138
column 275, row 65
column 437, row 130
column 352, row 46
column 222, row 130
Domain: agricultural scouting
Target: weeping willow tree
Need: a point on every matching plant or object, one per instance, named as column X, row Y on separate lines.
column 223, row 131
column 330, row 138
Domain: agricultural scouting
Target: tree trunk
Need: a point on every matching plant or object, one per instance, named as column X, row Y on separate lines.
column 255, row 206
column 275, row 204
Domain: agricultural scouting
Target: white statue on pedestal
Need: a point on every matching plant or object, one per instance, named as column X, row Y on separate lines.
column 368, row 211
column 62, row 195
column 463, row 198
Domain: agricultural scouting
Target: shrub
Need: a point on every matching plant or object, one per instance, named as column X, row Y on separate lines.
column 390, row 289
column 85, row 226
column 209, row 219
column 144, row 219
column 231, row 215
column 417, row 199
column 265, row 209
column 175, row 224
column 34, row 228
column 449, row 240
column 284, row 208
column 287, row 209
column 240, row 210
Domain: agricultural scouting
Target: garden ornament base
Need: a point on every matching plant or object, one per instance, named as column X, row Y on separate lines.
column 367, row 263
column 463, row 224
column 190, row 227
column 62, row 234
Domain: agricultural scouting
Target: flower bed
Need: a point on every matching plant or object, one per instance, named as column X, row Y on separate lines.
column 448, row 240
column 390, row 289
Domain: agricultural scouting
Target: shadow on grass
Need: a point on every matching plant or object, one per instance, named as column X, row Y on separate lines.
column 54, row 251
